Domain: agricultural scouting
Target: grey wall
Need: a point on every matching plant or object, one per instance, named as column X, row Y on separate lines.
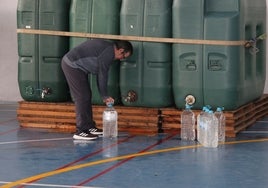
column 266, row 83
column 8, row 52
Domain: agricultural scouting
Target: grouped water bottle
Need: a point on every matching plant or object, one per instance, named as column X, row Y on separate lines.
column 109, row 118
column 211, row 139
column 221, row 123
column 201, row 126
column 207, row 128
column 187, row 124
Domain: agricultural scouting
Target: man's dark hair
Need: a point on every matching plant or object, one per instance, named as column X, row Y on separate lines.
column 126, row 45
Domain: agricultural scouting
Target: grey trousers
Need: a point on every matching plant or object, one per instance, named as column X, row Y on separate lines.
column 81, row 94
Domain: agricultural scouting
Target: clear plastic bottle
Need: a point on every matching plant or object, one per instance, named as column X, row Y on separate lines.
column 221, row 120
column 211, row 131
column 207, row 128
column 201, row 126
column 187, row 124
column 109, row 118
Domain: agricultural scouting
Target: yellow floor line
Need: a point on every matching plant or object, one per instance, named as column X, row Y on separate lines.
column 80, row 166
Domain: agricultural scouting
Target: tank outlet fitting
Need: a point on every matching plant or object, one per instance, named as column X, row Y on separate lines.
column 131, row 96
column 190, row 99
column 45, row 91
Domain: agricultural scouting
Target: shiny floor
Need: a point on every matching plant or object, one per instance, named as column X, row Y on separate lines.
column 43, row 158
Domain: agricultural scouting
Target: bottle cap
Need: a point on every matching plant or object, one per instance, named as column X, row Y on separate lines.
column 210, row 111
column 220, row 109
column 208, row 107
column 187, row 106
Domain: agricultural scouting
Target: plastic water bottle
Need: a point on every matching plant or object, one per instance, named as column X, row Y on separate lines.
column 207, row 128
column 201, row 126
column 109, row 118
column 187, row 124
column 221, row 120
column 211, row 131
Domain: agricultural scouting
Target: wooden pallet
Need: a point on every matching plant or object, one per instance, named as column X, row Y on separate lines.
column 236, row 120
column 137, row 120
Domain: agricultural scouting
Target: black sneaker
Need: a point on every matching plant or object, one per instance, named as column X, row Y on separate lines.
column 95, row 131
column 84, row 136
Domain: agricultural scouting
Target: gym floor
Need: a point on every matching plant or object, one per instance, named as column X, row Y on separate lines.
column 43, row 158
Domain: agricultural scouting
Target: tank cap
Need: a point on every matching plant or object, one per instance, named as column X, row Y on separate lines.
column 190, row 99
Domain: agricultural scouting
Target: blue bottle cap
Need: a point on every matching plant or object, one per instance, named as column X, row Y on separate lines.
column 208, row 107
column 210, row 111
column 204, row 108
column 187, row 106
column 220, row 109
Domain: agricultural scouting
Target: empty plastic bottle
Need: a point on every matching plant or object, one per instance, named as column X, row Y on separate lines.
column 109, row 118
column 187, row 124
column 221, row 120
column 201, row 126
column 211, row 135
column 207, row 128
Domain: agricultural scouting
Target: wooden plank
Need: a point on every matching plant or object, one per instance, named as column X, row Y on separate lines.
column 48, row 120
column 47, row 106
column 45, row 113
column 136, row 124
column 49, row 126
column 132, row 38
column 244, row 125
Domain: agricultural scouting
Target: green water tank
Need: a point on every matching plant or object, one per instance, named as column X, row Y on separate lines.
column 228, row 76
column 100, row 17
column 40, row 76
column 188, row 16
column 145, row 77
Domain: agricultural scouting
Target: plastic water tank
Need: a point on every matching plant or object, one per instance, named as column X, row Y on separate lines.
column 145, row 77
column 228, row 76
column 39, row 71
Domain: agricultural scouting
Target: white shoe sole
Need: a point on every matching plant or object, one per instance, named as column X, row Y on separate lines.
column 77, row 137
column 96, row 133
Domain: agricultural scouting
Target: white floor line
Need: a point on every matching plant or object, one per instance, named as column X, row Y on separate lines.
column 262, row 121
column 49, row 185
column 39, row 140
